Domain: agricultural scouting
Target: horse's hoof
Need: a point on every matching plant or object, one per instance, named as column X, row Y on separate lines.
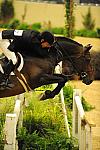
column 45, row 95
column 42, row 97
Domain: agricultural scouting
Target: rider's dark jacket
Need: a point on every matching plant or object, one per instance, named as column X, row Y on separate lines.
column 28, row 43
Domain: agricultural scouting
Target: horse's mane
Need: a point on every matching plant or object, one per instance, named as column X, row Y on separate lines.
column 67, row 39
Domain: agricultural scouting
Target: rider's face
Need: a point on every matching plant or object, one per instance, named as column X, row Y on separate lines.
column 45, row 44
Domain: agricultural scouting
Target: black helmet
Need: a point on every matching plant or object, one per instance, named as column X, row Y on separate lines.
column 47, row 36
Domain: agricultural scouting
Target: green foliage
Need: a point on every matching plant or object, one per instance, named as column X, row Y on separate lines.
column 98, row 32
column 88, row 23
column 1, row 131
column 23, row 26
column 4, row 25
column 36, row 26
column 46, row 114
column 86, row 33
column 86, row 105
column 52, row 141
column 7, row 10
column 44, row 126
column 68, row 95
column 59, row 30
column 14, row 24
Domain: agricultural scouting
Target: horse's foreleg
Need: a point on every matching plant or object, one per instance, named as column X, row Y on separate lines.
column 60, row 79
column 51, row 94
column 51, row 78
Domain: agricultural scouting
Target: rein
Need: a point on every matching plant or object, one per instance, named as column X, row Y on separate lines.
column 66, row 55
column 83, row 74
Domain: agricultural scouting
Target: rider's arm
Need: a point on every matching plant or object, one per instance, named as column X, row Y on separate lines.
column 11, row 34
column 25, row 35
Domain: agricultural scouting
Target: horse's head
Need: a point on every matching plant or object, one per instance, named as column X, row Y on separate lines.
column 79, row 58
column 83, row 66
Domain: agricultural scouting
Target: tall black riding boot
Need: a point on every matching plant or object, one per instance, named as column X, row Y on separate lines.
column 8, row 68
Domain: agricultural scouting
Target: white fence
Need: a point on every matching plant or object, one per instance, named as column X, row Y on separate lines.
column 58, row 70
column 13, row 121
column 82, row 128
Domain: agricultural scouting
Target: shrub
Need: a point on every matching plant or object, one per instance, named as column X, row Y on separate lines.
column 51, row 140
column 59, row 30
column 88, row 22
column 23, row 26
column 2, row 119
column 68, row 95
column 14, row 24
column 86, row 33
column 36, row 26
column 98, row 32
column 43, row 127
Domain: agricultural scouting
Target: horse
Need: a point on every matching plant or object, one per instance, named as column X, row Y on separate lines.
column 39, row 71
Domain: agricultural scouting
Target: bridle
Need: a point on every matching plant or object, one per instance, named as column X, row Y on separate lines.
column 58, row 47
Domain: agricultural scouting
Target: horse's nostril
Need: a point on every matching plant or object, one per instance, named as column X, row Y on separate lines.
column 89, row 82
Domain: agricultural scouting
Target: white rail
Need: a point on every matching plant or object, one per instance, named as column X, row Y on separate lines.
column 11, row 122
column 82, row 128
column 58, row 69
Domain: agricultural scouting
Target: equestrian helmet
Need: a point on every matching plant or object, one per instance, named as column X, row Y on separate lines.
column 48, row 37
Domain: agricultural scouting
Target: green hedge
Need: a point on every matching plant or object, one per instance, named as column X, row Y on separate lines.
column 98, row 32
column 86, row 33
column 16, row 24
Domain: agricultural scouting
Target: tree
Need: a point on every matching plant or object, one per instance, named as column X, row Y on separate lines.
column 7, row 11
column 88, row 22
column 69, row 5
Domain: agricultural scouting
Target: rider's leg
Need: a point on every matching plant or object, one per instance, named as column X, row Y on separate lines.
column 8, row 67
column 10, row 55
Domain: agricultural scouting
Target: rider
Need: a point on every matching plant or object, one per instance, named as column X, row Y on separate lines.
column 26, row 42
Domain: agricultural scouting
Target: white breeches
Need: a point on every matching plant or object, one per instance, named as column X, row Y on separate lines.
column 10, row 55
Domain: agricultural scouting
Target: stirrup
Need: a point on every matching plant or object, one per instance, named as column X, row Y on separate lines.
column 6, row 84
column 8, row 68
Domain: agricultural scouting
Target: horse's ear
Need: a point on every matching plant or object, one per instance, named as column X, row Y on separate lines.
column 87, row 48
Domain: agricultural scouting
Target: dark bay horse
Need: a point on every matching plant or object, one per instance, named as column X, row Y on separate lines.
column 40, row 71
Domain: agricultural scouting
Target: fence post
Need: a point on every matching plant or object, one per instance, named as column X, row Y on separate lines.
column 78, row 115
column 75, row 113
column 12, row 120
column 10, row 132
column 19, row 101
column 82, row 128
